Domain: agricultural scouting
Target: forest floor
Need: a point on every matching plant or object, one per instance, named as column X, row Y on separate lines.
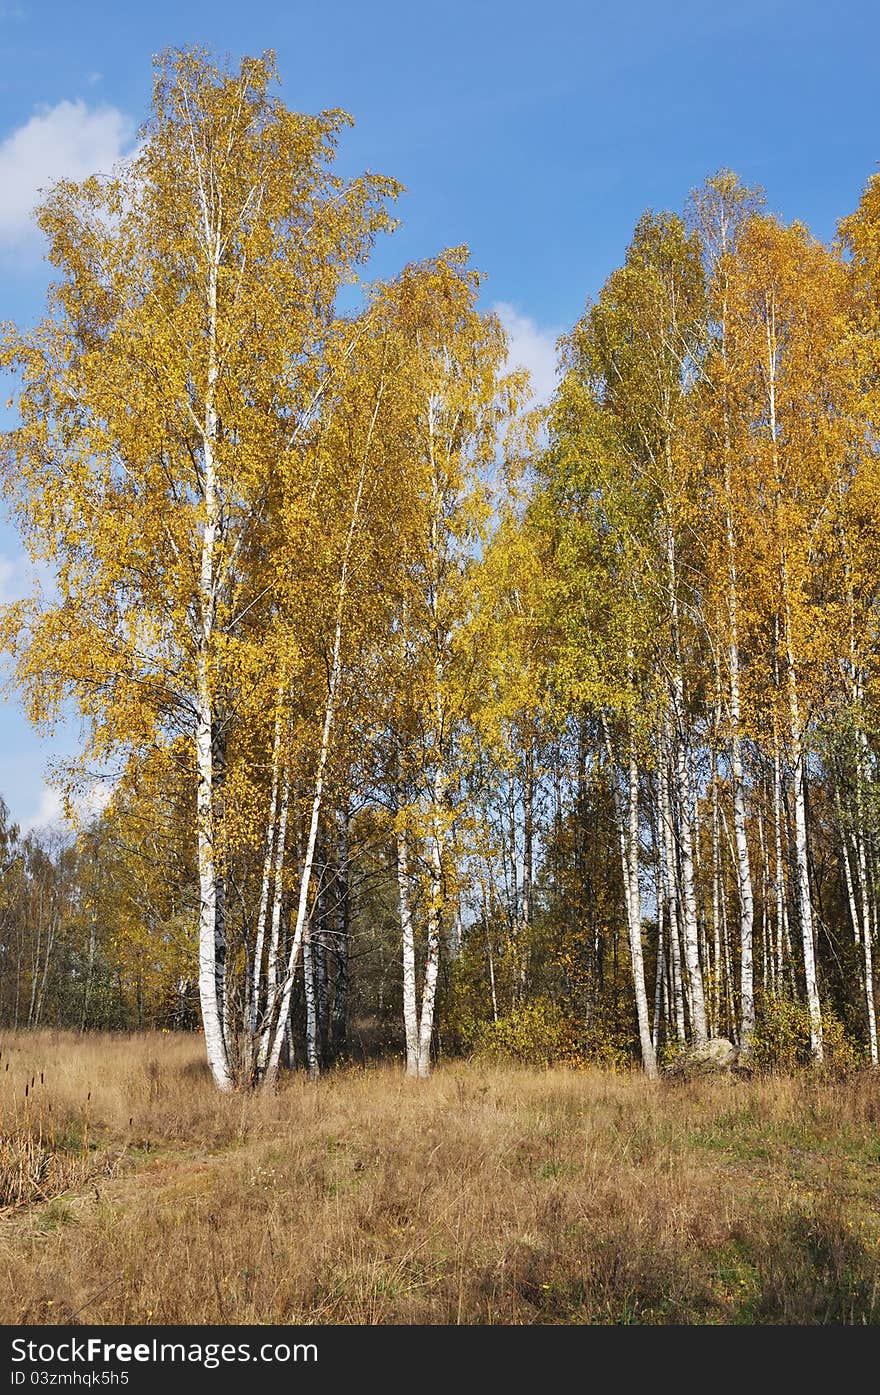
column 131, row 1192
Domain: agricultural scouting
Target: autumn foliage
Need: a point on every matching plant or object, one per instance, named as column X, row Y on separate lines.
column 433, row 722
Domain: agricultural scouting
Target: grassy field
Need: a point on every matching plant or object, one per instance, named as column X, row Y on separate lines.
column 130, row 1192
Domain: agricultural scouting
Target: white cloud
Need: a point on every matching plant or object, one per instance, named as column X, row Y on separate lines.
column 49, row 811
column 530, row 347
column 96, row 798
column 20, row 577
column 50, row 814
column 12, row 583
column 67, row 141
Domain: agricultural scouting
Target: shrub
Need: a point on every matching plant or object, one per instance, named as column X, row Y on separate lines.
column 608, row 1043
column 782, row 1038
column 782, row 1034
column 841, row 1052
column 539, row 1032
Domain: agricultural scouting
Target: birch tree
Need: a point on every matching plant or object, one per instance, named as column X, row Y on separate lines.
column 787, row 300
column 722, row 209
column 454, row 399
column 181, row 359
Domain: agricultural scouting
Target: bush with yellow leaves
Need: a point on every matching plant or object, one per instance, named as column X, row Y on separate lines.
column 538, row 1032
column 782, row 1038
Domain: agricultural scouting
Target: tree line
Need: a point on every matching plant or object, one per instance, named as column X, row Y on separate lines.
column 548, row 732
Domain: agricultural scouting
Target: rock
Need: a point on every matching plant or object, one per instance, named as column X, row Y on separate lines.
column 716, row 1054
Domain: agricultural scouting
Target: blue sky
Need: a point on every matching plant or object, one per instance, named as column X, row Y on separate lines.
column 537, row 134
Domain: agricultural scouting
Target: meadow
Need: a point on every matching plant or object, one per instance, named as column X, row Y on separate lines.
column 132, row 1192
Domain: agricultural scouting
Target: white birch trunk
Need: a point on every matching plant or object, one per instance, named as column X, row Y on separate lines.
column 274, row 1034
column 35, row 961
column 854, row 916
column 659, row 979
column 779, row 866
column 716, row 902
column 628, row 841
column 743, row 869
column 867, row 919
column 435, row 913
column 796, row 736
column 805, row 900
column 322, row 1002
column 667, row 862
column 339, row 1012
column 265, row 884
column 273, row 956
column 438, row 780
column 867, row 951
column 678, row 740
column 410, row 1005
column 689, row 899
column 770, row 974
column 861, row 935
column 660, row 973
column 312, row 1059
column 273, row 1037
column 90, row 972
column 528, row 858
column 492, row 991
column 728, row 977
column 215, row 1044
column 649, row 1058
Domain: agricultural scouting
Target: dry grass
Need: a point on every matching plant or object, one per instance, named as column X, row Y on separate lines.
column 487, row 1195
